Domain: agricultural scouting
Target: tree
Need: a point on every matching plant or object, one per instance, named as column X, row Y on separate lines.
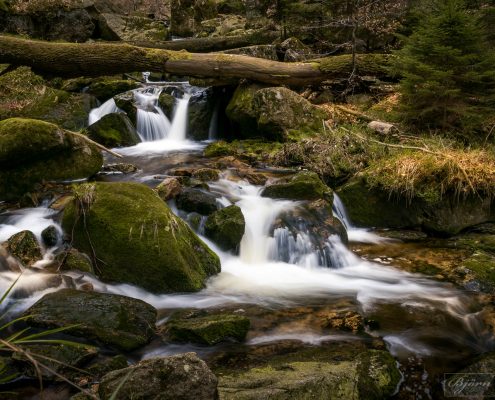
column 448, row 72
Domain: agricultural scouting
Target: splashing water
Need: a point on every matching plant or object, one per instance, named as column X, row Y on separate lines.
column 152, row 123
column 108, row 107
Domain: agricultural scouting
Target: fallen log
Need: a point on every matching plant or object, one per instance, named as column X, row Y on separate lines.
column 95, row 59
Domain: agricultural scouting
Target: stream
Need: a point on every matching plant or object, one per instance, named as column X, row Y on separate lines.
column 282, row 276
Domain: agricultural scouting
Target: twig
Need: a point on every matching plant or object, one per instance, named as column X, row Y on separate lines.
column 101, row 147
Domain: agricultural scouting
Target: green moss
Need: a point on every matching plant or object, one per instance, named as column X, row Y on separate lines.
column 302, row 186
column 482, row 264
column 226, row 227
column 25, row 247
column 106, row 89
column 210, row 330
column 241, row 109
column 250, row 149
column 378, row 375
column 137, row 239
column 114, row 130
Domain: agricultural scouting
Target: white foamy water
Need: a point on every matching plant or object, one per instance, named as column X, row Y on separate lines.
column 178, row 130
column 151, row 123
column 108, row 107
column 32, row 219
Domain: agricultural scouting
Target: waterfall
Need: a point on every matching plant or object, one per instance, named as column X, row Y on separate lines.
column 340, row 212
column 108, row 107
column 178, row 130
column 152, row 123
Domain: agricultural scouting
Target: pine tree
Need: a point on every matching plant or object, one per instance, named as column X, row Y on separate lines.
column 448, row 70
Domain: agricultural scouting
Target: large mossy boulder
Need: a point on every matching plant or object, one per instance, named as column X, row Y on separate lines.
column 114, row 130
column 304, row 185
column 195, row 327
column 226, row 227
column 178, row 377
column 136, row 238
column 371, row 375
column 33, row 151
column 273, row 112
column 25, row 247
column 376, row 207
column 123, row 322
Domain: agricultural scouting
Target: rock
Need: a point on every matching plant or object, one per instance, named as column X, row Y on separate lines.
column 266, row 51
column 25, row 247
column 371, row 375
column 34, row 151
column 223, row 25
column 139, row 240
column 197, row 200
column 169, row 188
column 67, row 356
column 372, row 207
column 125, row 101
column 114, row 130
column 119, row 321
column 206, row 174
column 50, row 236
column 73, row 260
column 167, row 104
column 178, row 377
column 131, row 28
column 294, row 50
column 186, row 15
column 119, row 168
column 276, row 112
column 226, row 227
column 196, row 327
column 200, row 113
column 106, row 89
column 383, row 128
column 344, row 321
column 302, row 186
column 99, row 368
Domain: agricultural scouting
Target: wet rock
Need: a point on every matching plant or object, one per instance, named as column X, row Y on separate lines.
column 25, row 247
column 167, row 104
column 477, row 272
column 122, row 168
column 226, row 227
column 33, row 151
column 114, row 130
column 206, row 174
column 73, row 260
column 302, row 186
column 370, row 375
column 67, row 356
column 372, row 207
column 196, row 326
column 169, row 188
column 161, row 253
column 115, row 320
column 106, row 89
column 125, row 101
column 197, row 200
column 50, row 236
column 179, row 377
column 343, row 321
column 200, row 112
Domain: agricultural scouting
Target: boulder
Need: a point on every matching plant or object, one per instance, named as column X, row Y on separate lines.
column 167, row 104
column 179, row 377
column 275, row 112
column 196, row 200
column 123, row 322
column 33, row 151
column 73, row 260
column 371, row 375
column 169, row 188
column 114, row 130
column 226, row 227
column 136, row 238
column 25, row 247
column 197, row 327
column 131, row 28
column 104, row 90
column 294, row 50
column 49, row 236
column 373, row 207
column 206, row 174
column 200, row 112
column 125, row 101
column 304, row 185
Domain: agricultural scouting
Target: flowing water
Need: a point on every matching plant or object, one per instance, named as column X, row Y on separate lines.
column 281, row 268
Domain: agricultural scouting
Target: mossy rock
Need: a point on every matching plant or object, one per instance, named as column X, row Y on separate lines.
column 167, row 103
column 49, row 236
column 119, row 321
column 194, row 327
column 371, row 375
column 114, row 130
column 125, row 101
column 178, row 377
column 33, row 151
column 25, row 247
column 304, row 185
column 478, row 272
column 226, row 227
column 169, row 188
column 136, row 238
column 66, row 356
column 206, row 174
column 197, row 200
column 106, row 89
column 74, row 260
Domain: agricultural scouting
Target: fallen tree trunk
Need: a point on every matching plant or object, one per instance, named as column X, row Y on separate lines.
column 95, row 59
column 207, row 45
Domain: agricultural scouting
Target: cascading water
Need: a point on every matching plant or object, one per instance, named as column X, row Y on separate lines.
column 108, row 107
column 178, row 130
column 152, row 123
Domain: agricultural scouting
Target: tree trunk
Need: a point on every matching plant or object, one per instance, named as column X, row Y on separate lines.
column 94, row 59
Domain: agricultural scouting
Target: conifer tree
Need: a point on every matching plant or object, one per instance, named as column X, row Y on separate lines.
column 448, row 70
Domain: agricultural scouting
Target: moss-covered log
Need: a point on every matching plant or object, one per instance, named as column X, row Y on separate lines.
column 93, row 59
